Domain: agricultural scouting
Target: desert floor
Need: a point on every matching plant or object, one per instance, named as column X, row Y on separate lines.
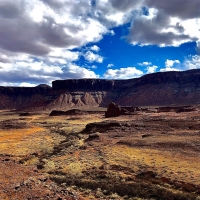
column 88, row 156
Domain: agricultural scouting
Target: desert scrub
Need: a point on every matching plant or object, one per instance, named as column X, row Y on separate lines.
column 74, row 169
column 48, row 165
column 32, row 161
column 65, row 130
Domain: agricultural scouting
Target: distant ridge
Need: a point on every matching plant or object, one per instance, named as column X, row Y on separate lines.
column 157, row 89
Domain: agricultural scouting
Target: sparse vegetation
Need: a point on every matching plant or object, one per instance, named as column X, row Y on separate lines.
column 114, row 163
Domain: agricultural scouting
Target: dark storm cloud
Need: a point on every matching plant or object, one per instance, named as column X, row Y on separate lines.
column 177, row 8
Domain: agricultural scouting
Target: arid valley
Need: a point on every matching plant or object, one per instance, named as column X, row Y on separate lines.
column 70, row 142
column 146, row 155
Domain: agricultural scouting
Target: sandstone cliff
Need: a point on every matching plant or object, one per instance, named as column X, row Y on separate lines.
column 158, row 89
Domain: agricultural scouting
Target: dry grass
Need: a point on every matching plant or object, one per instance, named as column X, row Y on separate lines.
column 166, row 164
column 64, row 153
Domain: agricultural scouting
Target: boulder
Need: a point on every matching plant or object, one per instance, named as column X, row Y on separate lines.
column 113, row 110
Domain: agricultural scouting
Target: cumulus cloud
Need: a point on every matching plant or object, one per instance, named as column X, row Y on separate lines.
column 151, row 69
column 95, row 48
column 42, row 34
column 37, row 72
column 110, row 65
column 193, row 62
column 171, row 65
column 157, row 29
column 179, row 8
column 123, row 73
column 126, row 5
column 145, row 64
column 164, row 24
column 91, row 57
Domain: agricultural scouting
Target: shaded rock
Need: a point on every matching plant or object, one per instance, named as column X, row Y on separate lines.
column 24, row 114
column 101, row 126
column 57, row 113
column 69, row 112
column 185, row 109
column 177, row 109
column 92, row 137
column 113, row 110
column 146, row 175
column 146, row 135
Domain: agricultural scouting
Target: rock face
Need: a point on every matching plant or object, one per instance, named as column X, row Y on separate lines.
column 83, row 85
column 158, row 89
column 25, row 97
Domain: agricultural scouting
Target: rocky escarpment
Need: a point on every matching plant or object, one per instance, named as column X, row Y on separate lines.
column 25, row 97
column 83, row 85
column 162, row 89
column 158, row 89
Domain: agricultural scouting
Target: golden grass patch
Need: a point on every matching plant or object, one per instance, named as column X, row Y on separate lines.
column 21, row 142
column 167, row 164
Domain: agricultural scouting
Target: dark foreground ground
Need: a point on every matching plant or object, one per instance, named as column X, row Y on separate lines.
column 86, row 156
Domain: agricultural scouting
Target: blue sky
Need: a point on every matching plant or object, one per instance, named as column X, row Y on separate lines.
column 46, row 40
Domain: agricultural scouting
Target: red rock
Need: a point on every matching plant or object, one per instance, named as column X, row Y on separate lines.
column 113, row 110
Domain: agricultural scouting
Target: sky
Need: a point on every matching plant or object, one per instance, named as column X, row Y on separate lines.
column 46, row 40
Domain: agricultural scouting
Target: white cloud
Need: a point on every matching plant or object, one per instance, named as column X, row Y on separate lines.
column 145, row 64
column 166, row 24
column 36, row 72
column 171, row 63
column 91, row 57
column 192, row 63
column 95, row 48
column 110, row 65
column 94, row 67
column 123, row 73
column 37, row 36
column 151, row 69
column 169, row 69
column 24, row 84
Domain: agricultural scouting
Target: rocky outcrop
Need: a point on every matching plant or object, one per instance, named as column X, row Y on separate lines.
column 78, row 99
column 113, row 110
column 69, row 112
column 101, row 126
